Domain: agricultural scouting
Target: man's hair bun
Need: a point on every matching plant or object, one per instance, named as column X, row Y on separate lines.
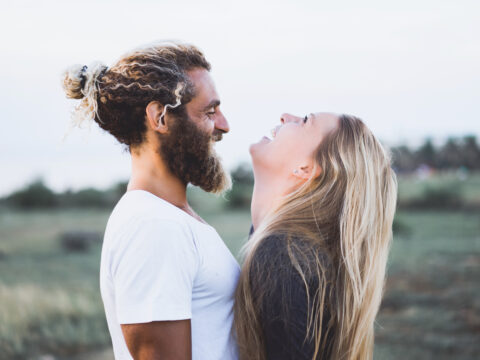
column 74, row 80
column 81, row 82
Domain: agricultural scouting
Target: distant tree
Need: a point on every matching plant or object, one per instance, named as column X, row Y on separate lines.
column 455, row 153
column 471, row 152
column 91, row 197
column 34, row 195
column 450, row 156
column 119, row 189
column 403, row 159
column 426, row 154
column 243, row 174
column 241, row 193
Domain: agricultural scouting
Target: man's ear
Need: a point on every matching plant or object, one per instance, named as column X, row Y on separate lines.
column 305, row 172
column 154, row 111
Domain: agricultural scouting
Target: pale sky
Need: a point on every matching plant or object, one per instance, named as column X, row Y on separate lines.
column 409, row 69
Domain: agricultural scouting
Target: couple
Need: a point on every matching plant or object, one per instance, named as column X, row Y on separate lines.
column 322, row 209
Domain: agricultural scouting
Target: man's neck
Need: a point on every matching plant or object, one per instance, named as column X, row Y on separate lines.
column 149, row 173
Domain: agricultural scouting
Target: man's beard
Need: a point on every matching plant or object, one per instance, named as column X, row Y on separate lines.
column 190, row 155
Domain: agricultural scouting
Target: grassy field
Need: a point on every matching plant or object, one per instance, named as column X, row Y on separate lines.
column 431, row 306
column 49, row 298
column 50, row 301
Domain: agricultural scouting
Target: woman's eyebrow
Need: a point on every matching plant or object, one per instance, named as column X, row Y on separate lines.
column 308, row 118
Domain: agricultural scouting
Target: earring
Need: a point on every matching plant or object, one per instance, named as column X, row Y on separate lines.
column 295, row 171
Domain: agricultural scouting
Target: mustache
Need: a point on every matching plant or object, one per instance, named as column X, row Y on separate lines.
column 217, row 136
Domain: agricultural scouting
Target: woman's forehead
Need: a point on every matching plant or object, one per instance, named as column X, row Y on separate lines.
column 325, row 122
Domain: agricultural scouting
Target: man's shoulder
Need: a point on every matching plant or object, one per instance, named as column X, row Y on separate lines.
column 139, row 209
column 139, row 205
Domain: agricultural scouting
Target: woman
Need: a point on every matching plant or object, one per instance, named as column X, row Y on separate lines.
column 322, row 210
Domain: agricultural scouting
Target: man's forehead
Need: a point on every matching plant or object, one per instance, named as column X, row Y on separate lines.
column 199, row 74
column 205, row 91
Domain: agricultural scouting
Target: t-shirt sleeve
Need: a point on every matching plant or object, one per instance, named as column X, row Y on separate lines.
column 153, row 273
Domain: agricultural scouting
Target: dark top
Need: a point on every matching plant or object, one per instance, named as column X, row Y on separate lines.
column 284, row 306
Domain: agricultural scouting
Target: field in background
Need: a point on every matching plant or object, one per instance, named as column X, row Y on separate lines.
column 431, row 307
column 455, row 189
column 50, row 301
column 49, row 298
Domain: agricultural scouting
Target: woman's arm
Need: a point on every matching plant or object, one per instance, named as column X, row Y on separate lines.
column 284, row 303
column 285, row 323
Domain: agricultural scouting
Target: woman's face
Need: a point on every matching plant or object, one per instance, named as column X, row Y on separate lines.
column 290, row 151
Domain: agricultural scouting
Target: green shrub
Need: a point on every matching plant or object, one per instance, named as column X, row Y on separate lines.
column 400, row 228
column 436, row 198
column 241, row 194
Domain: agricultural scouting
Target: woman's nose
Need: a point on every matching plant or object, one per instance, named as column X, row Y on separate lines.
column 285, row 118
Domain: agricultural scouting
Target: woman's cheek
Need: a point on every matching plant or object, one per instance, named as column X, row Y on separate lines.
column 280, row 153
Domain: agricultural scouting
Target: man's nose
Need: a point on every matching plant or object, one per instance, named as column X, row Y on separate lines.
column 286, row 118
column 221, row 124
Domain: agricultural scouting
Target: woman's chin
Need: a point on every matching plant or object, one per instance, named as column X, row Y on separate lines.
column 252, row 150
column 255, row 147
column 265, row 140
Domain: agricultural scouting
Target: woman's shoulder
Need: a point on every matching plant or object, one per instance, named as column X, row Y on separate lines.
column 272, row 250
column 290, row 245
column 273, row 243
column 285, row 256
column 276, row 251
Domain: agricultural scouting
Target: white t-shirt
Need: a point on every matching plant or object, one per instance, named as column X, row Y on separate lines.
column 159, row 263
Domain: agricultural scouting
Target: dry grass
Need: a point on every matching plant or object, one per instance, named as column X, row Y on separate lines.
column 36, row 320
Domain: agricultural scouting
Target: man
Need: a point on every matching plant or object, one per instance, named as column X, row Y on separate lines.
column 167, row 279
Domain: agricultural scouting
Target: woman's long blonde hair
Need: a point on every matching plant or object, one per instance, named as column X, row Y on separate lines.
column 345, row 216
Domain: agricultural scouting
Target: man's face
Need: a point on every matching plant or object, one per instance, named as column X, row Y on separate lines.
column 204, row 108
column 188, row 148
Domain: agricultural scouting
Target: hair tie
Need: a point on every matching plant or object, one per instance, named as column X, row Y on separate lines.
column 83, row 77
column 104, row 70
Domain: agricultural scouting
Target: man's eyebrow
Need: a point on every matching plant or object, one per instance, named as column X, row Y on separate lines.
column 213, row 103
